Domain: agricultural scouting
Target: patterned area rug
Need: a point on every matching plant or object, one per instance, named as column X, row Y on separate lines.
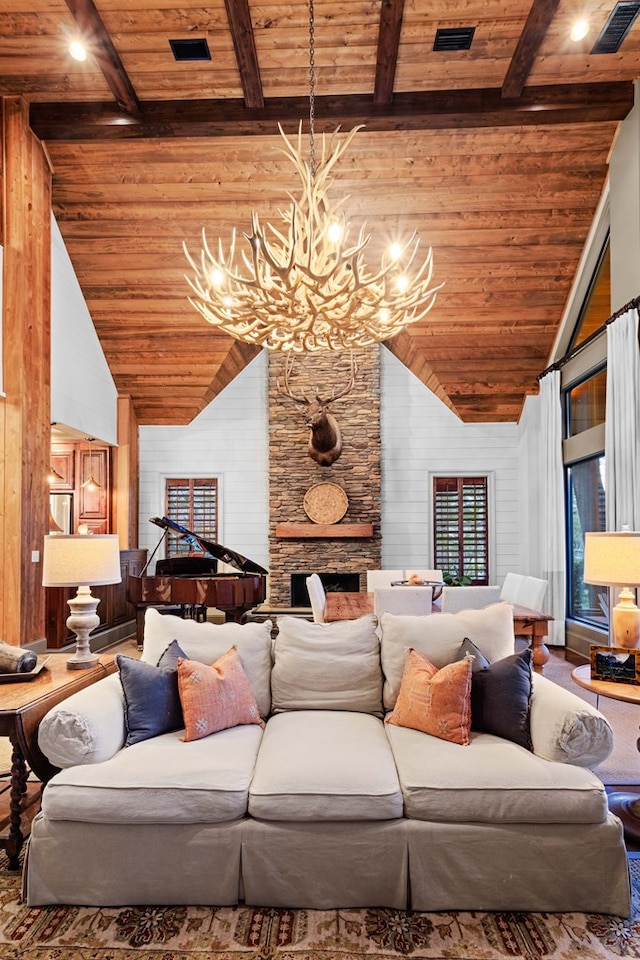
column 243, row 933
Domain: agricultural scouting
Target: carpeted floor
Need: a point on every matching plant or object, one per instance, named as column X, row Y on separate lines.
column 243, row 933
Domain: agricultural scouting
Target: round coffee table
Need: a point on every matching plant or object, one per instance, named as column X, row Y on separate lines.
column 624, row 805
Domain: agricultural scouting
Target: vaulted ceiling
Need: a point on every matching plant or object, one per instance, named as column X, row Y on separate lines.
column 496, row 155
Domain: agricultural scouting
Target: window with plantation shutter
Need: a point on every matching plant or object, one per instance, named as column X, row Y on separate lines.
column 194, row 505
column 461, row 527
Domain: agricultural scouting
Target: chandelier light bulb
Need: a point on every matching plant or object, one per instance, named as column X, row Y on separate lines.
column 395, row 251
column 78, row 50
column 335, row 232
column 217, row 278
column 402, row 283
column 579, row 30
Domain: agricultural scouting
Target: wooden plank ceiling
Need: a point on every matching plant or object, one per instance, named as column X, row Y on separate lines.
column 496, row 155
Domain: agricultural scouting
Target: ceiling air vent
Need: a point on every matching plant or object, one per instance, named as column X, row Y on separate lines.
column 616, row 28
column 190, row 49
column 453, row 38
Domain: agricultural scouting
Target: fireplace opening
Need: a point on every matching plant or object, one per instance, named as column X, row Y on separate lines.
column 332, row 583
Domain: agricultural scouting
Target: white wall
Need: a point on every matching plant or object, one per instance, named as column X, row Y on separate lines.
column 422, row 437
column 228, row 440
column 83, row 394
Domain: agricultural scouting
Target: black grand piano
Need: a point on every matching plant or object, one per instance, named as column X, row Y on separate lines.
column 191, row 583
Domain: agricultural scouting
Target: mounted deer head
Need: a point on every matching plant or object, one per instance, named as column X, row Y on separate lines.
column 325, row 439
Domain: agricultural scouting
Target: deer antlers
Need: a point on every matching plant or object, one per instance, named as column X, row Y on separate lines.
column 325, row 401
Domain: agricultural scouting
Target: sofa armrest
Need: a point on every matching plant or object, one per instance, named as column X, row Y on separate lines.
column 566, row 728
column 87, row 727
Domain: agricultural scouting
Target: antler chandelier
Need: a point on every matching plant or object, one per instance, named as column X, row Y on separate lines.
column 304, row 286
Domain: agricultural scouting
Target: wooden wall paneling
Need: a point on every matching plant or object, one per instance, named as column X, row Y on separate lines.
column 125, row 467
column 93, row 504
column 24, row 507
column 63, row 461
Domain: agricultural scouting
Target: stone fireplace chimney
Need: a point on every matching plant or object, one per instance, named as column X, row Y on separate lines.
column 297, row 545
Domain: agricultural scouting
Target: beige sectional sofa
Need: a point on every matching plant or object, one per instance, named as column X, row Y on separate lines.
column 328, row 805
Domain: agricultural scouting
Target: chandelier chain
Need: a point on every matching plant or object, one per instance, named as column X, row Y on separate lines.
column 312, row 92
column 303, row 284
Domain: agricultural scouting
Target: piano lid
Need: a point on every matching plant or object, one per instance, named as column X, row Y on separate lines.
column 209, row 547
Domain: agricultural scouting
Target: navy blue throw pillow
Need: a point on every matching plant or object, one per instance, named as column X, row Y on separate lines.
column 171, row 655
column 151, row 698
column 469, row 649
column 501, row 697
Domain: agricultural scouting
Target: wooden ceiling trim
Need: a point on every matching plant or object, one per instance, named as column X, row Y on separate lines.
column 546, row 105
column 244, row 45
column 105, row 54
column 391, row 12
column 538, row 21
column 237, row 358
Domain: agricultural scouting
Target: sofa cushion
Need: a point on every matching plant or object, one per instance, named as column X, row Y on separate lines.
column 438, row 637
column 496, row 782
column 87, row 727
column 325, row 765
column 208, row 641
column 500, row 698
column 435, row 701
column 162, row 780
column 151, row 699
column 566, row 728
column 327, row 666
column 478, row 659
column 216, row 697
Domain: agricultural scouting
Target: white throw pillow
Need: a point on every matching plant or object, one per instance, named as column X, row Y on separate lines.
column 438, row 637
column 205, row 642
column 87, row 727
column 327, row 666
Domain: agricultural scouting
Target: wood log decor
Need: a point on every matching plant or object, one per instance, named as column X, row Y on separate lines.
column 496, row 155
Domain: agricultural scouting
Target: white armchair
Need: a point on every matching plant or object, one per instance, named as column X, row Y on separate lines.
column 317, row 597
column 524, row 590
column 405, row 601
column 382, row 578
column 468, row 598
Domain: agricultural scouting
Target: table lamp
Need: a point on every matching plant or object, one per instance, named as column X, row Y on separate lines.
column 82, row 561
column 613, row 559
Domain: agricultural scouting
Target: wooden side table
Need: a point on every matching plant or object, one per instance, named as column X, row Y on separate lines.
column 624, row 805
column 22, row 707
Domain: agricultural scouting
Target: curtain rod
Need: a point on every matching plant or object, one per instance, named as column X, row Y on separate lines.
column 559, row 364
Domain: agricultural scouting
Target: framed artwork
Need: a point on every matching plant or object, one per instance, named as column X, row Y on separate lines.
column 616, row 664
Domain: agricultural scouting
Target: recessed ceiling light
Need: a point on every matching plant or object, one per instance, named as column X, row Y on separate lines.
column 579, row 30
column 78, row 50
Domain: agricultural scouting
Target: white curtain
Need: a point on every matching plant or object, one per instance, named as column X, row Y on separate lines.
column 552, row 504
column 622, row 424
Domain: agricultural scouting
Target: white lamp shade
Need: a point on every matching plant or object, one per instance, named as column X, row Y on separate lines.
column 612, row 559
column 74, row 560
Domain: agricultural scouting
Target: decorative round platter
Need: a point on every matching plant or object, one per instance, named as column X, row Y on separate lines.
column 325, row 503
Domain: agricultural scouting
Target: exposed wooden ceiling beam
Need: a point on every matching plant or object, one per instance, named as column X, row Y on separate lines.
column 239, row 16
column 101, row 47
column 571, row 103
column 540, row 16
column 391, row 13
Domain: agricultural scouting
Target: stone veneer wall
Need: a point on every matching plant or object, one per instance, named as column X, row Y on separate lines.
column 292, row 471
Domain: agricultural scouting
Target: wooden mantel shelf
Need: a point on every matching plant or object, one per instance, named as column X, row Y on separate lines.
column 332, row 531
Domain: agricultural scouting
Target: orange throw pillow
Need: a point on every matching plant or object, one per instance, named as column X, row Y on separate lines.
column 216, row 697
column 435, row 701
